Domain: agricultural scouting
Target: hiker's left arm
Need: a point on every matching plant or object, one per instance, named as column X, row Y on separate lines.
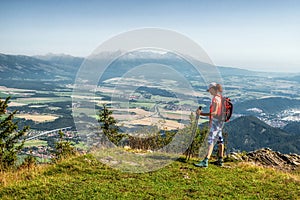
column 204, row 114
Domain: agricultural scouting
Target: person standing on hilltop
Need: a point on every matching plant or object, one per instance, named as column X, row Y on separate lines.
column 215, row 124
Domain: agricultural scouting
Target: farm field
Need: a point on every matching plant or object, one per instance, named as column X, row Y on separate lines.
column 39, row 118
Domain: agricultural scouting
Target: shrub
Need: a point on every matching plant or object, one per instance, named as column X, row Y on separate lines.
column 62, row 148
column 11, row 142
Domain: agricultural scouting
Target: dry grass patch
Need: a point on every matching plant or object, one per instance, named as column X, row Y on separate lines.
column 37, row 117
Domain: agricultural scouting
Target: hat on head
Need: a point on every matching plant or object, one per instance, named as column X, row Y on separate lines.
column 212, row 84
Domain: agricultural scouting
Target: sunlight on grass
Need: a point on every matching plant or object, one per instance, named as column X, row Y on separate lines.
column 134, row 161
column 84, row 177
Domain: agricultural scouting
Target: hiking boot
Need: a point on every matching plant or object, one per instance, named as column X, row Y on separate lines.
column 203, row 163
column 218, row 162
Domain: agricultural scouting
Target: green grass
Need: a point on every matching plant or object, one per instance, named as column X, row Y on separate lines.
column 85, row 178
column 31, row 143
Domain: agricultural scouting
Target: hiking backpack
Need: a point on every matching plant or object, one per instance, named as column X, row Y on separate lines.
column 227, row 108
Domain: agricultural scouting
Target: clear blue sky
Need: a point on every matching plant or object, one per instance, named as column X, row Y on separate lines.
column 251, row 34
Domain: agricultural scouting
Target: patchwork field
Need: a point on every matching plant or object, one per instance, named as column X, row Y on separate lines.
column 39, row 118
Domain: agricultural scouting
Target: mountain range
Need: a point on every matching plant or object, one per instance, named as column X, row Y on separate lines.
column 53, row 66
column 47, row 72
column 39, row 67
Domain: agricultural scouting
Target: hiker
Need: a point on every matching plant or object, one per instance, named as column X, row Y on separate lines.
column 215, row 124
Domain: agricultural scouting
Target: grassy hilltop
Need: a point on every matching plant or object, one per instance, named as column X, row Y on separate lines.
column 83, row 177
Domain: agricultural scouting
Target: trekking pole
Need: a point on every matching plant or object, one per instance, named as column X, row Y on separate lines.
column 194, row 128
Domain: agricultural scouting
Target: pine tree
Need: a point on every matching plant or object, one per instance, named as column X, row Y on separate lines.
column 108, row 125
column 63, row 148
column 10, row 136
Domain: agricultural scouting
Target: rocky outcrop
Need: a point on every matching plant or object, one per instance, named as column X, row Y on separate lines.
column 267, row 157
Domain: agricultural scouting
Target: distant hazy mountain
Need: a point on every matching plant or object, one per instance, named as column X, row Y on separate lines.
column 126, row 62
column 248, row 133
column 40, row 67
column 60, row 65
column 61, row 59
column 12, row 66
column 230, row 71
column 39, row 73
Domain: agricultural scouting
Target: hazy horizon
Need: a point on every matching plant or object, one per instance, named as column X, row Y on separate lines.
column 253, row 35
column 226, row 66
